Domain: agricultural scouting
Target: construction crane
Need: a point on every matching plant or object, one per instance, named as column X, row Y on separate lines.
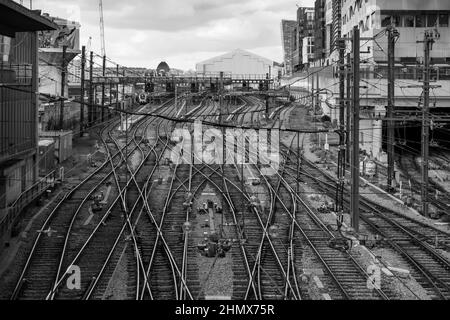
column 102, row 28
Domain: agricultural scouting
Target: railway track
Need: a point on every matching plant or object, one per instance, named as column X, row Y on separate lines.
column 141, row 242
column 36, row 277
column 346, row 277
column 410, row 169
column 172, row 269
column 48, row 253
column 296, row 225
column 428, row 266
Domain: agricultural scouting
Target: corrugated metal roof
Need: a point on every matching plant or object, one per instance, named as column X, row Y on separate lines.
column 232, row 53
column 16, row 18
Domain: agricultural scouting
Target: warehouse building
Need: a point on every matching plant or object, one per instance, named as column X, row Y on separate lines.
column 238, row 63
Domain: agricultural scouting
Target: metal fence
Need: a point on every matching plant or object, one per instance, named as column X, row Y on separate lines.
column 11, row 213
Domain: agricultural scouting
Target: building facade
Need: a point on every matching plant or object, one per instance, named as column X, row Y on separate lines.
column 51, row 59
column 411, row 19
column 319, row 30
column 238, row 63
column 288, row 35
column 18, row 106
column 305, row 37
column 372, row 17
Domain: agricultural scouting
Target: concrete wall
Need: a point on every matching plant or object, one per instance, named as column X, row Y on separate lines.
column 50, row 80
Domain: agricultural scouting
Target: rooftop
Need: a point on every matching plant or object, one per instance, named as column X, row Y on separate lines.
column 237, row 52
column 16, row 18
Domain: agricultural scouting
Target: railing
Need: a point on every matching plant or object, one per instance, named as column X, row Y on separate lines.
column 25, row 198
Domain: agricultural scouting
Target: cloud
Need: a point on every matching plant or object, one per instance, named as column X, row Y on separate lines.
column 181, row 32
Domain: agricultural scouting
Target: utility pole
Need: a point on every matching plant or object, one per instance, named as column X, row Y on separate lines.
column 354, row 163
column 176, row 96
column 117, row 88
column 313, row 95
column 342, row 85
column 267, row 95
column 390, row 108
column 221, row 99
column 318, row 93
column 298, row 163
column 103, row 89
column 110, row 99
column 123, row 86
column 349, row 111
column 63, row 87
column 342, row 153
column 82, row 90
column 91, row 90
column 243, row 186
column 429, row 38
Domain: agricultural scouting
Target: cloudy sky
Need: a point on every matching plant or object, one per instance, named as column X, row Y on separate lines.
column 141, row 33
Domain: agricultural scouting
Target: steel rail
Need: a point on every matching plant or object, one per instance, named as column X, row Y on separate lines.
column 423, row 270
column 58, row 282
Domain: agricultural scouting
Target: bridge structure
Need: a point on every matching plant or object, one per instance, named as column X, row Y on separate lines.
column 180, row 80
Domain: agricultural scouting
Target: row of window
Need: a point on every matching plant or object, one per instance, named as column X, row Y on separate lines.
column 405, row 72
column 364, row 26
column 415, row 72
column 352, row 10
column 418, row 20
column 406, row 21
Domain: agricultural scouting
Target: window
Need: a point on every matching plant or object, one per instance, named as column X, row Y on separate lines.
column 408, row 21
column 385, row 20
column 396, row 20
column 420, row 21
column 5, row 45
column 443, row 20
column 431, row 20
